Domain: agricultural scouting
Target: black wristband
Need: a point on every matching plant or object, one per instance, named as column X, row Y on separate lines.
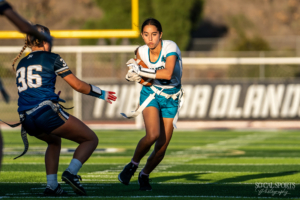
column 95, row 91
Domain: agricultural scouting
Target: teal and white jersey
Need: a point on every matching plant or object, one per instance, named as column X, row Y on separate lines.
column 169, row 48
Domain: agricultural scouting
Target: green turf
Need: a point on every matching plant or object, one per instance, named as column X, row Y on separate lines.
column 197, row 165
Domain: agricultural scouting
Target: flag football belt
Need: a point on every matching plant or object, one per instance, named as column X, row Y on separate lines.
column 44, row 103
column 54, row 106
column 178, row 95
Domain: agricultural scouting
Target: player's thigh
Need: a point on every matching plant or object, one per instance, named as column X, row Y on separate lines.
column 75, row 130
column 152, row 121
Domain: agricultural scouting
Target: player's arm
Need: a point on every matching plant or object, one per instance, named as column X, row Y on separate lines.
column 61, row 69
column 88, row 89
column 21, row 23
column 165, row 73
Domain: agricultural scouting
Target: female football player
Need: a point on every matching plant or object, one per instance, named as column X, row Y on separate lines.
column 43, row 117
column 163, row 59
column 24, row 27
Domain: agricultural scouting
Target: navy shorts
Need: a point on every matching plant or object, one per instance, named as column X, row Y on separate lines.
column 44, row 120
column 167, row 107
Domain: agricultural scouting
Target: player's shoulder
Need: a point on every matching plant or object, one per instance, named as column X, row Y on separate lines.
column 169, row 44
column 44, row 54
column 143, row 48
column 42, row 57
column 50, row 54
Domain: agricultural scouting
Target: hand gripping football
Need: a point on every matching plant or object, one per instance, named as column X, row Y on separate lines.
column 144, row 80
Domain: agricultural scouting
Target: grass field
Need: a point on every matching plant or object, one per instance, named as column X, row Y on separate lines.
column 198, row 165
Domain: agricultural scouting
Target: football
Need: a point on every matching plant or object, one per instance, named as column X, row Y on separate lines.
column 144, row 80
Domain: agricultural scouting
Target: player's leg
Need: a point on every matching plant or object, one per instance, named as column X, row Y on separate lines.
column 51, row 163
column 151, row 118
column 75, row 130
column 152, row 125
column 166, row 132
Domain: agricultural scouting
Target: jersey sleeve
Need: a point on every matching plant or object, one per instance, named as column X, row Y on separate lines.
column 61, row 68
column 172, row 49
column 3, row 6
column 143, row 52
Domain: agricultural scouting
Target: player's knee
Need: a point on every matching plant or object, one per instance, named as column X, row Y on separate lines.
column 152, row 137
column 54, row 141
column 94, row 140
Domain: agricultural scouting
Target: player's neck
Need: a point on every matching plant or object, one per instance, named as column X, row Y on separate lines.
column 37, row 49
column 157, row 49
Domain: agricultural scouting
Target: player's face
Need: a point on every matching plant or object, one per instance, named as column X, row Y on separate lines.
column 151, row 36
column 47, row 46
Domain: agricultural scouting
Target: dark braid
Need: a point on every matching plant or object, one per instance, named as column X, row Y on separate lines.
column 20, row 54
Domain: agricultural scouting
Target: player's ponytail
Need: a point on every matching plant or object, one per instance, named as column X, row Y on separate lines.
column 20, row 54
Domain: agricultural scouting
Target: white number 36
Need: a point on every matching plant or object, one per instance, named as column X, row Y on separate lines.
column 33, row 80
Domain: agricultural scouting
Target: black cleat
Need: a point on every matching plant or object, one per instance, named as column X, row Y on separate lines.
column 144, row 183
column 57, row 192
column 73, row 181
column 128, row 171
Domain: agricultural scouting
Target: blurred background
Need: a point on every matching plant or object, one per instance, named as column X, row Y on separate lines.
column 240, row 59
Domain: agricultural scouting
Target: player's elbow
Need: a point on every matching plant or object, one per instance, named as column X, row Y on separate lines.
column 78, row 87
column 26, row 29
column 168, row 77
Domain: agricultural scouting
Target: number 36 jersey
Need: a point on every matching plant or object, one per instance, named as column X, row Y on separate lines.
column 36, row 76
column 169, row 48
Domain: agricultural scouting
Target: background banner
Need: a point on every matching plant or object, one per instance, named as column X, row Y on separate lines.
column 205, row 100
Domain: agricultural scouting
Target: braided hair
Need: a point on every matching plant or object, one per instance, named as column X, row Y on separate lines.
column 31, row 41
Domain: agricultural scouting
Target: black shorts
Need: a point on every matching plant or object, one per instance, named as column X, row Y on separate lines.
column 45, row 118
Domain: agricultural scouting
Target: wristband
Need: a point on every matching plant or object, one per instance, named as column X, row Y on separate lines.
column 149, row 73
column 95, row 91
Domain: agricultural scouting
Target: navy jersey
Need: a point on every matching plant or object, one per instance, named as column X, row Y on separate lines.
column 36, row 77
column 3, row 6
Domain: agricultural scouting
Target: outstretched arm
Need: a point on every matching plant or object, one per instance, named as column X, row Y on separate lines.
column 88, row 89
column 21, row 23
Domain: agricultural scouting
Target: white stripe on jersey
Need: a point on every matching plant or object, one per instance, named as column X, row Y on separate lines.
column 62, row 69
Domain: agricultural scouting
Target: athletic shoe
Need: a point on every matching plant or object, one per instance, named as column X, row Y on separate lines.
column 144, row 183
column 128, row 171
column 57, row 192
column 73, row 181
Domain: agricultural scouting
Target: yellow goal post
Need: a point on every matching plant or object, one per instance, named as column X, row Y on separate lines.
column 114, row 33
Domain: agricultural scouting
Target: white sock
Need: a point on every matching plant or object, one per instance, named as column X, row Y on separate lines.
column 143, row 173
column 135, row 163
column 74, row 166
column 52, row 181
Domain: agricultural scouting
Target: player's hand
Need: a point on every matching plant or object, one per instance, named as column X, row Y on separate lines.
column 108, row 96
column 132, row 64
column 132, row 61
column 132, row 76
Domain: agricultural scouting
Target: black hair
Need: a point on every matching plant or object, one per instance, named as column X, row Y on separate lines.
column 154, row 22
